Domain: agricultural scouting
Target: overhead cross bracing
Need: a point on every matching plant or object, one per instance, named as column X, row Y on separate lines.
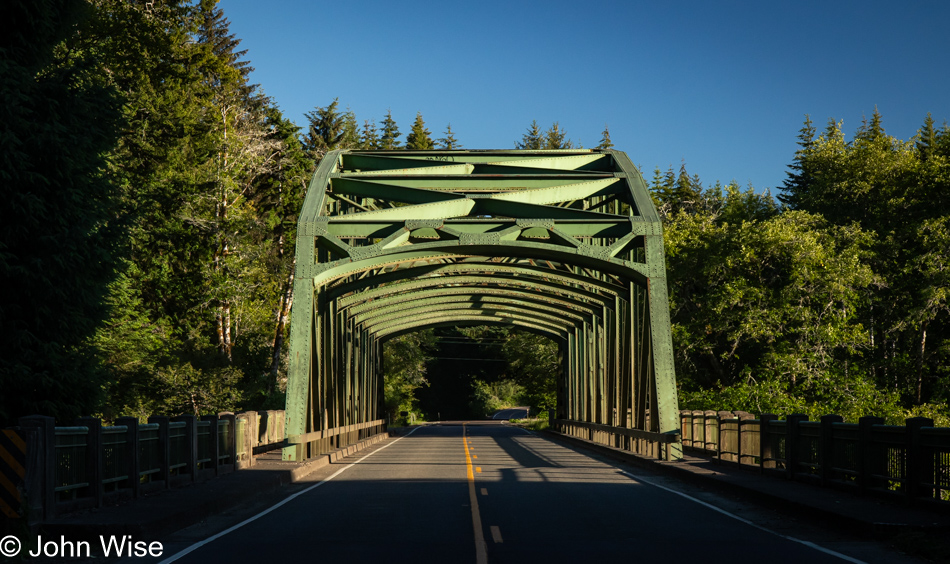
column 566, row 244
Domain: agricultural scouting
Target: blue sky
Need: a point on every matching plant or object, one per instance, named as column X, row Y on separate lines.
column 723, row 86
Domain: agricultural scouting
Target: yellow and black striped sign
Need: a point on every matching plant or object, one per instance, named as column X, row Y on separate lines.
column 12, row 469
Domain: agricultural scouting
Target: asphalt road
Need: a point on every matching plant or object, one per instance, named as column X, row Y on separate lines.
column 493, row 493
column 512, row 413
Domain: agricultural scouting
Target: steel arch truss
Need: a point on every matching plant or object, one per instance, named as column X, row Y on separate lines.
column 566, row 244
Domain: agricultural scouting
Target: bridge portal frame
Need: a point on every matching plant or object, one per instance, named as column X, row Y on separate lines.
column 566, row 244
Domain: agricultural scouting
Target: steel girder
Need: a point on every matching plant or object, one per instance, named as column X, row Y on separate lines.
column 565, row 244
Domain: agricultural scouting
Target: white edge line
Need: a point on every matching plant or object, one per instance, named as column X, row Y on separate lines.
column 746, row 521
column 212, row 538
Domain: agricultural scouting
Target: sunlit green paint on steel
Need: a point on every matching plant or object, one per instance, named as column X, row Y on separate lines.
column 553, row 315
column 474, row 315
column 606, row 228
column 582, row 161
column 481, row 273
column 472, row 300
column 476, row 285
column 454, row 249
column 392, row 332
column 478, row 184
column 362, row 188
column 471, row 291
column 542, row 222
column 301, row 333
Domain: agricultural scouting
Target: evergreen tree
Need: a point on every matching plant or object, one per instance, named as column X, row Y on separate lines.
column 59, row 233
column 152, row 57
column 605, row 142
column 533, row 139
column 677, row 193
column 656, row 186
column 555, row 138
column 799, row 180
column 326, row 130
column 194, row 160
column 351, row 131
column 926, row 138
column 942, row 146
column 242, row 152
column 214, row 32
column 279, row 196
column 419, row 138
column 449, row 142
column 389, row 136
column 889, row 188
column 875, row 129
column 369, row 138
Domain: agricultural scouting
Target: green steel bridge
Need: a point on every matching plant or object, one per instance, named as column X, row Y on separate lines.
column 566, row 244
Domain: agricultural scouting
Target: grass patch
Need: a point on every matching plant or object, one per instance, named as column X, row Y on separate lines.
column 534, row 423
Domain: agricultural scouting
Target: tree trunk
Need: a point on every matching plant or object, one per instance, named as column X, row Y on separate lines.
column 223, row 316
column 228, row 345
column 920, row 362
column 283, row 313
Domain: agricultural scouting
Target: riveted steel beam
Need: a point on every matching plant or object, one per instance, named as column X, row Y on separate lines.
column 503, row 273
column 565, row 244
column 497, row 306
column 471, row 292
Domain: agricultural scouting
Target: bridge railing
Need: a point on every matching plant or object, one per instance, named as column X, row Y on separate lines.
column 319, row 442
column 87, row 465
column 654, row 445
column 911, row 460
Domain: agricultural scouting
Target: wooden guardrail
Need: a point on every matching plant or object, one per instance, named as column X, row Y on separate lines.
column 910, row 460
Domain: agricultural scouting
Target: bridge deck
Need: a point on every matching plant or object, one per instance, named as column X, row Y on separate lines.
column 542, row 495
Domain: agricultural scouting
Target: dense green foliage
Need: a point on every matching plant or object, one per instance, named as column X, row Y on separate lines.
column 155, row 194
column 419, row 138
column 835, row 302
column 404, row 362
column 553, row 138
column 60, row 223
column 470, row 372
column 150, row 202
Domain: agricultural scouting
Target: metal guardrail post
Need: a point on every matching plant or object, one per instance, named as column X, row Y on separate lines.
column 93, row 456
column 163, row 447
column 918, row 465
column 132, row 451
column 866, row 462
column 826, row 448
column 40, row 476
column 792, row 442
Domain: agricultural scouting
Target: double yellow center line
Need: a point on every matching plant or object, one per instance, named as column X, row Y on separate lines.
column 481, row 554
